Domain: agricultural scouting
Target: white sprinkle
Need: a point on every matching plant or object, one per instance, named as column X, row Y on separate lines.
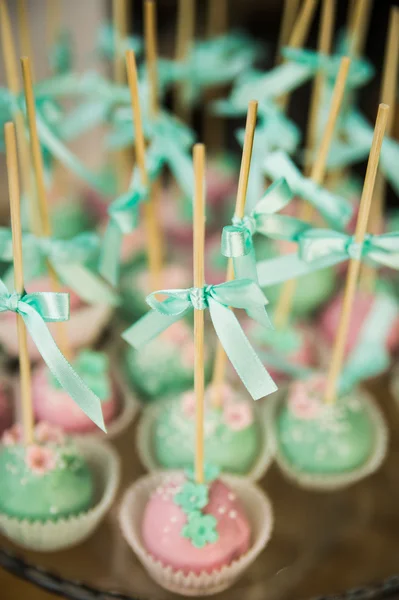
column 53, row 510
column 173, row 519
column 166, row 529
column 233, row 514
column 221, row 510
column 231, row 497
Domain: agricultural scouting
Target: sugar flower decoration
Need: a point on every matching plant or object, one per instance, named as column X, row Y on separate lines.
column 188, row 404
column 40, row 460
column 200, row 529
column 211, row 472
column 46, row 433
column 305, row 398
column 238, row 415
column 192, row 497
column 12, row 436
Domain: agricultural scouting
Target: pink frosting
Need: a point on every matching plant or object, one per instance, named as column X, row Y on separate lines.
column 54, row 406
column 305, row 396
column 362, row 305
column 6, row 413
column 163, row 521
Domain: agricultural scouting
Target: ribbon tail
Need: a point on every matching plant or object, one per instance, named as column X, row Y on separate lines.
column 60, row 367
column 110, row 253
column 283, row 268
column 240, row 352
column 149, row 327
column 86, row 284
column 58, row 149
column 245, row 266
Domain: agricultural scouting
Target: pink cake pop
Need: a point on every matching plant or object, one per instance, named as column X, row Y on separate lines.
column 363, row 305
column 165, row 527
column 53, row 405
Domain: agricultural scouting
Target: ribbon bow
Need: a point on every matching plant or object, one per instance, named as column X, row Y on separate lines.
column 66, row 258
column 322, row 248
column 239, row 293
column 35, row 309
column 123, row 219
column 336, row 210
column 360, row 71
column 237, row 242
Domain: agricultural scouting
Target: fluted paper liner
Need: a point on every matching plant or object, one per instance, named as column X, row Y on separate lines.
column 50, row 536
column 258, row 511
column 84, row 327
column 318, row 481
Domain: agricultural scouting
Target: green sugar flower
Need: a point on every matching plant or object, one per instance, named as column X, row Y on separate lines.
column 192, row 497
column 211, row 472
column 200, row 529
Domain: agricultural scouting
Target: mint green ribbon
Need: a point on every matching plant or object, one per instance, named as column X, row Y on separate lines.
column 360, row 135
column 67, row 258
column 35, row 309
column 93, row 368
column 61, row 54
column 237, row 239
column 360, row 71
column 106, row 38
column 322, row 248
column 170, row 144
column 239, row 293
column 335, row 209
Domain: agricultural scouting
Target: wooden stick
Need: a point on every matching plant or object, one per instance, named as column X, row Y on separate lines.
column 53, row 19
column 317, row 174
column 184, row 40
column 299, row 35
column 151, row 53
column 325, row 39
column 199, row 281
column 219, row 369
column 368, row 275
column 217, row 18
column 354, row 264
column 119, row 20
column 154, row 247
column 37, row 161
column 24, row 363
column 13, row 83
column 290, row 12
column 214, row 128
column 358, row 26
column 24, row 33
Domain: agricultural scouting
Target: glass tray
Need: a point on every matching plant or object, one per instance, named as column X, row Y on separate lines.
column 323, row 543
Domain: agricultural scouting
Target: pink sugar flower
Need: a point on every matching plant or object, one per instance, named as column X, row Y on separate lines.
column 226, row 394
column 12, row 436
column 305, row 397
column 45, row 432
column 238, row 415
column 40, row 459
column 188, row 404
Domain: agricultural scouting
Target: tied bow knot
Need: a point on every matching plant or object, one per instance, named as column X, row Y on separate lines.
column 35, row 309
column 12, row 302
column 198, row 297
column 238, row 293
column 248, row 222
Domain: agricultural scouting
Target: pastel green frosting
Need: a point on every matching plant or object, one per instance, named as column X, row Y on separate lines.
column 283, row 341
column 157, row 369
column 174, row 440
column 133, row 304
column 69, row 218
column 340, row 439
column 66, row 490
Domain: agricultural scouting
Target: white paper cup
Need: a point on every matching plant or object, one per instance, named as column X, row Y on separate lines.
column 145, row 446
column 317, row 481
column 83, row 329
column 257, row 508
column 51, row 536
